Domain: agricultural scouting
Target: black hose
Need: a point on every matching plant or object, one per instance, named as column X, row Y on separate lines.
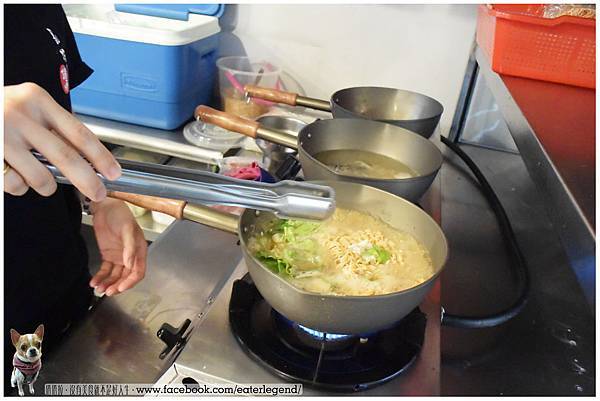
column 476, row 322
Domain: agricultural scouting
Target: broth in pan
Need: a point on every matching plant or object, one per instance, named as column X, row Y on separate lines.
column 351, row 253
column 361, row 163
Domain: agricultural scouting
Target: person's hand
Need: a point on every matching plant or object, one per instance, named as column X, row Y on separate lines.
column 122, row 246
column 33, row 120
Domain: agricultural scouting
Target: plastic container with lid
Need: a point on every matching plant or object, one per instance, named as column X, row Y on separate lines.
column 211, row 137
column 148, row 70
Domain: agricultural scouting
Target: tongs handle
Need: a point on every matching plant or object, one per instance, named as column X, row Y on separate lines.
column 287, row 199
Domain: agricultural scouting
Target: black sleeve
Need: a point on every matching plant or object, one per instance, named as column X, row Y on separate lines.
column 79, row 71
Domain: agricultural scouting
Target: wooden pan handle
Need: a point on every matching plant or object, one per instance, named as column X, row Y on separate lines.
column 181, row 210
column 270, row 94
column 172, row 207
column 227, row 121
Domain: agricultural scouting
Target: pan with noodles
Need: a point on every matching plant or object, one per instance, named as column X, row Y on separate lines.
column 361, row 271
column 389, row 250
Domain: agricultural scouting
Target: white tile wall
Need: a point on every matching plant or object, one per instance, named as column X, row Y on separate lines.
column 423, row 48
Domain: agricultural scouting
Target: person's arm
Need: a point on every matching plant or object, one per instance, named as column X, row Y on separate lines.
column 122, row 246
column 33, row 120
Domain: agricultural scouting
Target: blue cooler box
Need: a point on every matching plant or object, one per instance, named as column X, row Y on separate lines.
column 148, row 70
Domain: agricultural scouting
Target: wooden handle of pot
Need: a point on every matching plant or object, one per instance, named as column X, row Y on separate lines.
column 172, row 207
column 273, row 95
column 227, row 121
column 181, row 210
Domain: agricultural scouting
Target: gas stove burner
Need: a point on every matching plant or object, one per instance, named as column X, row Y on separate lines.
column 333, row 362
column 310, row 337
column 322, row 336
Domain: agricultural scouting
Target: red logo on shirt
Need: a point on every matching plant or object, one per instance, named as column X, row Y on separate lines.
column 63, row 73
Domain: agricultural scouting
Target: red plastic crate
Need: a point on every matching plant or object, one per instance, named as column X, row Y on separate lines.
column 519, row 41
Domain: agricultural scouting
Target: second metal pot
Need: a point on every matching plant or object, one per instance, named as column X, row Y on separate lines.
column 411, row 110
column 397, row 143
column 416, row 152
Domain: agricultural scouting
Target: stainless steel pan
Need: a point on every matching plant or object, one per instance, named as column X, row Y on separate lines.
column 274, row 154
column 410, row 110
column 416, row 152
column 328, row 313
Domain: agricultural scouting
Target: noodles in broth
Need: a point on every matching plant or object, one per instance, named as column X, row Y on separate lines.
column 351, row 253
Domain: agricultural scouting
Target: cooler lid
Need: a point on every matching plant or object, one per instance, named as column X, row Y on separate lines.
column 104, row 21
column 173, row 11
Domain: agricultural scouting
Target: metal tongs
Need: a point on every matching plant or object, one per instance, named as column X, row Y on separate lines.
column 286, row 199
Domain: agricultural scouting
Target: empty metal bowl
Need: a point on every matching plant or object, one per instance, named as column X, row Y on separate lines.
column 273, row 154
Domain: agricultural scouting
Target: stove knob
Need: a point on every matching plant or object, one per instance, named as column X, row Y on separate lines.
column 174, row 337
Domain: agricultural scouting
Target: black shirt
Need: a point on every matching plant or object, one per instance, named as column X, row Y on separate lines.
column 45, row 260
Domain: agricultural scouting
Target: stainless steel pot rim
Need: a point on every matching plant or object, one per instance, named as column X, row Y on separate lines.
column 435, row 103
column 369, row 179
column 426, row 142
column 282, row 117
column 353, row 297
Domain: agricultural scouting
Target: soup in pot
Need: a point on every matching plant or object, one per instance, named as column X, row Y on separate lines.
column 351, row 253
column 361, row 163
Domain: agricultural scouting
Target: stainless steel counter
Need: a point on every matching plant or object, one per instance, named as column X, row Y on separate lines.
column 171, row 143
column 553, row 127
column 549, row 349
column 117, row 343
